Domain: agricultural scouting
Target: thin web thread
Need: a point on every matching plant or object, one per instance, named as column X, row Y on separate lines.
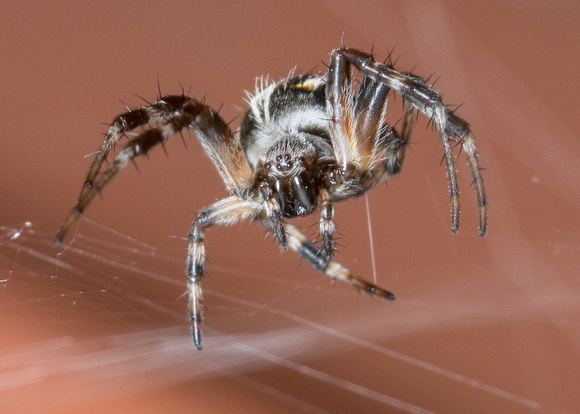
column 371, row 238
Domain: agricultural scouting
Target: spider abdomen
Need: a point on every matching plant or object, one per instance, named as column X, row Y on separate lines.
column 292, row 105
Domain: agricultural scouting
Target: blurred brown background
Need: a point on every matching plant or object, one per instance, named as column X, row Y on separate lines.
column 98, row 325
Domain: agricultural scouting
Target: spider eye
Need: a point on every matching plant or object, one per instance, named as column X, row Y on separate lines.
column 268, row 165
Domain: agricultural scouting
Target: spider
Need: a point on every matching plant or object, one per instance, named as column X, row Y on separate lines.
column 308, row 140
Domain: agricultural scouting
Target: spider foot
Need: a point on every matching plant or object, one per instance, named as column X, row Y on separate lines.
column 196, row 325
column 195, row 307
column 337, row 271
column 378, row 291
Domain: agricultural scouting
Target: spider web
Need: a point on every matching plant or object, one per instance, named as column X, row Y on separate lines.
column 108, row 319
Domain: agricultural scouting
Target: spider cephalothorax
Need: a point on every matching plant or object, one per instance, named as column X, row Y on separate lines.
column 287, row 172
column 306, row 141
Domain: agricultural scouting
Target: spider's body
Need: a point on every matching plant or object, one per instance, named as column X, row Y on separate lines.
column 306, row 141
column 285, row 136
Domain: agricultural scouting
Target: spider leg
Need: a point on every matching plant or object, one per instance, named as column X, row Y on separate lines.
column 358, row 127
column 166, row 117
column 395, row 143
column 327, row 225
column 369, row 150
column 310, row 252
column 428, row 101
column 226, row 211
column 275, row 219
column 381, row 147
column 370, row 110
column 340, row 95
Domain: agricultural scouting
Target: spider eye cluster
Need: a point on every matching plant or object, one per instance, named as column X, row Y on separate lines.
column 284, row 163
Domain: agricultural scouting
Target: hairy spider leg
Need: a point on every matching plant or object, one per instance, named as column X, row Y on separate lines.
column 376, row 150
column 311, row 253
column 166, row 117
column 428, row 101
column 227, row 211
column 357, row 132
column 275, row 220
column 327, row 226
column 119, row 127
column 368, row 150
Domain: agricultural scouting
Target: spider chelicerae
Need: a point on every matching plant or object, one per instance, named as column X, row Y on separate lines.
column 307, row 140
